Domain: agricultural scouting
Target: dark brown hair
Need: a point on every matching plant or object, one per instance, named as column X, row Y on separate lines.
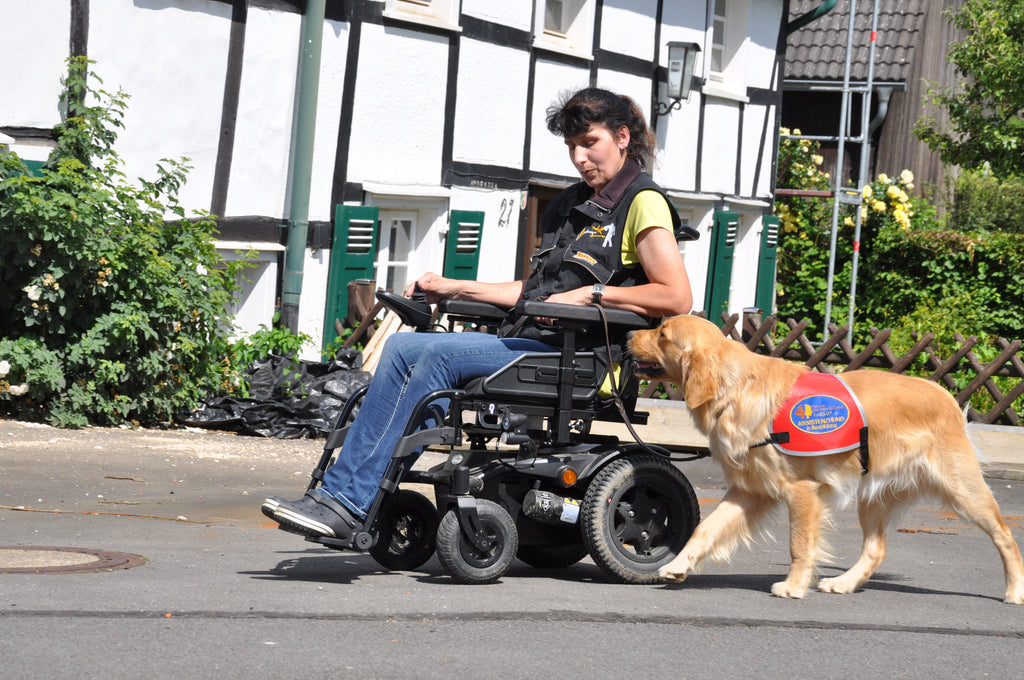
column 575, row 113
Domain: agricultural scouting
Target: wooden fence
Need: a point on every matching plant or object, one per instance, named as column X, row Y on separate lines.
column 835, row 355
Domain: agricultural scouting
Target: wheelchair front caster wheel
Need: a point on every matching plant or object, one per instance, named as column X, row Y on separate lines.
column 489, row 556
column 406, row 532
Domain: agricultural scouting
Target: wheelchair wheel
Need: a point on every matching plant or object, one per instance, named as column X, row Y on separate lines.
column 637, row 515
column 467, row 563
column 551, row 556
column 406, row 531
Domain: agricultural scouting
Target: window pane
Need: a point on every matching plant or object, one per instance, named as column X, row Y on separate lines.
column 554, row 16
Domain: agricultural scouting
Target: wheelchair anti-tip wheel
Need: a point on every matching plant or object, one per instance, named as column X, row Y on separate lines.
column 469, row 563
column 406, row 531
column 637, row 515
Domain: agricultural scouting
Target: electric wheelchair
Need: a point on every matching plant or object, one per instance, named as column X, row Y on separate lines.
column 524, row 477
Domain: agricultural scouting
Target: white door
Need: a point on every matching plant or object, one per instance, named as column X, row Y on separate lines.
column 398, row 239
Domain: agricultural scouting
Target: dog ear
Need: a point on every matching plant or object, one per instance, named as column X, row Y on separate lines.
column 701, row 379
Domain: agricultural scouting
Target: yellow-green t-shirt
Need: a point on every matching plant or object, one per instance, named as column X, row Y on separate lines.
column 649, row 209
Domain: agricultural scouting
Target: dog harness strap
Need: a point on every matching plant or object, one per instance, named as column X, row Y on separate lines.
column 864, row 450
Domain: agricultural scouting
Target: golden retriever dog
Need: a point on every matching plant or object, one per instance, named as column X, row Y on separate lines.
column 917, row 444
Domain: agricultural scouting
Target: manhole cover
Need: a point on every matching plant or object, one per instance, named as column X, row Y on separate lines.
column 30, row 559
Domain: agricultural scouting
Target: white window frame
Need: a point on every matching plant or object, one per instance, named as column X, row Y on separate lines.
column 438, row 13
column 576, row 38
column 726, row 63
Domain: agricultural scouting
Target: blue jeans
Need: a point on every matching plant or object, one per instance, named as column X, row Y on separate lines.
column 411, row 365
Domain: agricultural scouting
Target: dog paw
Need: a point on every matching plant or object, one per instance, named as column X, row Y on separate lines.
column 1014, row 596
column 672, row 576
column 784, row 589
column 834, row 585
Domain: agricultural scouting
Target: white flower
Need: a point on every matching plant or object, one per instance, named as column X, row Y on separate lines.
column 18, row 390
column 5, row 368
column 33, row 291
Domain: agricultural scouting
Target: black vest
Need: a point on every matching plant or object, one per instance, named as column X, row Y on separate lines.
column 581, row 244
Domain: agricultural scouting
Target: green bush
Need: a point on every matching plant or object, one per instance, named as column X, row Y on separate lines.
column 114, row 309
column 983, row 202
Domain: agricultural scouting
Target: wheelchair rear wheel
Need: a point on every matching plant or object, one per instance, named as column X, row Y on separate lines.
column 468, row 563
column 637, row 515
column 406, row 532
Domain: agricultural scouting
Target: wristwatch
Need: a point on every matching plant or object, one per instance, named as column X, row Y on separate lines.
column 596, row 293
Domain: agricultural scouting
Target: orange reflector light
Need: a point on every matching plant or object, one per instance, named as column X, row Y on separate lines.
column 569, row 476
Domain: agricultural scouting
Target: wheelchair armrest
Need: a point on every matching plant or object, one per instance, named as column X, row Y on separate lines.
column 584, row 314
column 467, row 309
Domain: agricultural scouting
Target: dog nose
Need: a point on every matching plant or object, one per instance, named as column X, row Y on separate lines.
column 629, row 335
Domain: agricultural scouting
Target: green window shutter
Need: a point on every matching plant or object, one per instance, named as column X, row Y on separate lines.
column 35, row 168
column 462, row 249
column 352, row 256
column 764, row 297
column 724, row 233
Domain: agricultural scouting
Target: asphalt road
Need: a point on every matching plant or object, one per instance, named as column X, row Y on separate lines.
column 224, row 594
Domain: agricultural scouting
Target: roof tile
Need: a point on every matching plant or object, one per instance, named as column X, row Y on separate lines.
column 818, row 50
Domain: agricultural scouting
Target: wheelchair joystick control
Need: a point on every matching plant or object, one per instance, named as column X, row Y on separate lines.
column 546, row 507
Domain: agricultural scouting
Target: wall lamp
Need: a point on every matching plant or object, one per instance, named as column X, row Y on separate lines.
column 682, row 57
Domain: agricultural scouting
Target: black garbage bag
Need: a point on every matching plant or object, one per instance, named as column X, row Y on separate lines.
column 288, row 399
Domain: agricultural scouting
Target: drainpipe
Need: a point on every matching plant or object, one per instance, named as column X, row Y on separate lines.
column 302, row 163
column 815, row 14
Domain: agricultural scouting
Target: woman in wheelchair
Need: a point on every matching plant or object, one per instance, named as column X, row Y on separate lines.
column 609, row 240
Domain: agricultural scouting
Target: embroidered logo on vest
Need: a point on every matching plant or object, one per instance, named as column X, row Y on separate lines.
column 606, row 232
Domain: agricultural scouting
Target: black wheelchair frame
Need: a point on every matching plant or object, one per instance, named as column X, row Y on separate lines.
column 533, row 482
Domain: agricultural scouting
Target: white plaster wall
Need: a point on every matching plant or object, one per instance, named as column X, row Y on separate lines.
column 628, row 27
column 744, row 266
column 398, row 118
column 501, row 229
column 260, row 159
column 696, row 254
column 313, row 301
column 33, row 47
column 513, row 13
column 763, row 28
column 171, row 60
column 635, row 87
column 254, row 306
column 718, row 169
column 678, row 137
column 333, row 56
column 754, row 127
column 490, row 125
column 547, row 152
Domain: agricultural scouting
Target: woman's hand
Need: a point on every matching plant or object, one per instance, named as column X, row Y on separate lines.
column 434, row 287
column 577, row 296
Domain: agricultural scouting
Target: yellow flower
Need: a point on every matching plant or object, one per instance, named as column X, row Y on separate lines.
column 818, row 160
column 878, row 206
column 907, row 178
column 884, row 179
column 866, row 192
column 849, row 222
column 784, row 131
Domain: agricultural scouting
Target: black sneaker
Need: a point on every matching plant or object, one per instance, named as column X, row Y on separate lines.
column 269, row 506
column 317, row 515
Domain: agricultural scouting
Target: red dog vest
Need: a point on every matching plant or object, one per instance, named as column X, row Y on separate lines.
column 820, row 416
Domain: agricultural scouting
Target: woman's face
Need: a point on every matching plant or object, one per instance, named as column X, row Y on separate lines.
column 598, row 154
